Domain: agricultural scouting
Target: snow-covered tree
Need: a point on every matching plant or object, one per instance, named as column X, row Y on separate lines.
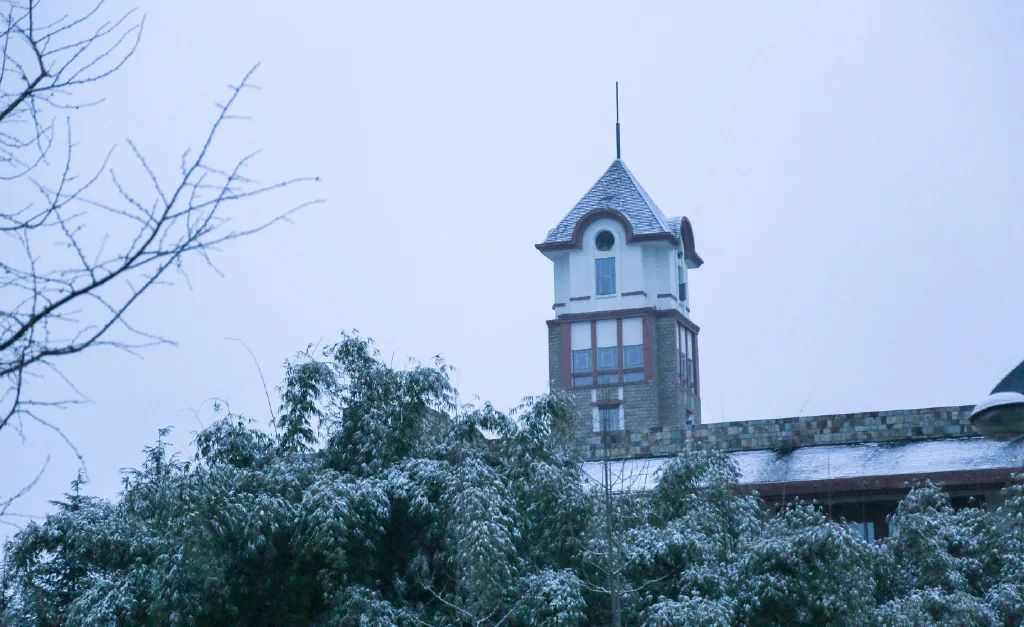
column 374, row 501
column 803, row 569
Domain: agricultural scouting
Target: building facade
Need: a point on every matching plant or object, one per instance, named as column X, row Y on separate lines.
column 622, row 343
column 855, row 466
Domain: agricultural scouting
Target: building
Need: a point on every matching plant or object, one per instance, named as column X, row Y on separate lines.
column 622, row 342
column 622, row 345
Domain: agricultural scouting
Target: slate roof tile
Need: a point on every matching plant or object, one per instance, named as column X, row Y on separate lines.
column 617, row 189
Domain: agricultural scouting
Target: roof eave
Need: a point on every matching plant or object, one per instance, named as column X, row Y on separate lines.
column 576, row 243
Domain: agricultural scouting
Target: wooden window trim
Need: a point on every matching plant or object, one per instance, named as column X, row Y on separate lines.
column 620, row 371
column 693, row 384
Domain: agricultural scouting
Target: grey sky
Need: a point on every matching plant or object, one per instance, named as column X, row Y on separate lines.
column 851, row 172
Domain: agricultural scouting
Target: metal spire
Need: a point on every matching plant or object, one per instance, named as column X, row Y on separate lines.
column 618, row 141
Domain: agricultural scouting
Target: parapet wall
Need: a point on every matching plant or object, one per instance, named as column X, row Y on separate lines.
column 873, row 426
column 897, row 425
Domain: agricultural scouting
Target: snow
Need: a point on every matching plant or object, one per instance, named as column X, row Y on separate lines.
column 836, row 462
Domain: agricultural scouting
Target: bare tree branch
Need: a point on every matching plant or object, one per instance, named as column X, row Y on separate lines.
column 77, row 252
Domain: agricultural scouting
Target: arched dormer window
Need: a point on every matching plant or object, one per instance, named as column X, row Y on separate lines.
column 604, row 263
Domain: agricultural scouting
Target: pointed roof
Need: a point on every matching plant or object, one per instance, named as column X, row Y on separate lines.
column 618, row 190
column 618, row 194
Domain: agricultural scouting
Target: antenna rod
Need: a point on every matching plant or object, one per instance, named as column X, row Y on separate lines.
column 618, row 141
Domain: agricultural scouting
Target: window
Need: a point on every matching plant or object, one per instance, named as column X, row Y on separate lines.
column 582, row 355
column 682, row 284
column 863, row 530
column 604, row 270
column 632, row 349
column 608, row 418
column 607, row 364
column 687, row 358
column 604, row 240
column 608, row 358
column 607, row 334
column 607, row 352
column 633, row 356
column 582, row 362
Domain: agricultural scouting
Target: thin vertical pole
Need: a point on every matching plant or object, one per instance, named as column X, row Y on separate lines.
column 616, row 613
column 613, row 575
column 618, row 141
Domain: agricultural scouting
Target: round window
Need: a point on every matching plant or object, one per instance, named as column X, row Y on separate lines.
column 605, row 240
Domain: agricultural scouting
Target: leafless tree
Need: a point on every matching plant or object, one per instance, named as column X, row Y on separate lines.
column 617, row 484
column 80, row 246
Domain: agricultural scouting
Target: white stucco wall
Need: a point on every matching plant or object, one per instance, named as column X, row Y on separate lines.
column 649, row 267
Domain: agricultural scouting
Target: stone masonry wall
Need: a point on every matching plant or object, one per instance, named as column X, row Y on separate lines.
column 554, row 356
column 873, row 426
column 655, row 416
column 672, row 397
column 900, row 425
column 655, row 410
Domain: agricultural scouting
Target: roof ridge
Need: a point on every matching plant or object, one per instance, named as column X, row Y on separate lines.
column 653, row 206
column 616, row 189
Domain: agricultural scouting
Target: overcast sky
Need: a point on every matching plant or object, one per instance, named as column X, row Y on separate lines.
column 852, row 173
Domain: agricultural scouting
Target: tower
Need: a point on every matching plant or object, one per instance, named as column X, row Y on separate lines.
column 622, row 343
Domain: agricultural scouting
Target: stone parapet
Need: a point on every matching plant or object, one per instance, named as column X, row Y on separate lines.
column 899, row 425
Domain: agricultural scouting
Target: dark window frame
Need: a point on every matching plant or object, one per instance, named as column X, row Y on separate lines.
column 597, row 277
column 620, row 421
column 687, row 358
column 597, row 377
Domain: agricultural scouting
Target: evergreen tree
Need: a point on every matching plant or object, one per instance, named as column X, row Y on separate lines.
column 375, row 501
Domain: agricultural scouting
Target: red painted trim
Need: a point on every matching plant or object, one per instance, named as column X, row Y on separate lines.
column 597, row 214
column 672, row 296
column 636, row 293
column 630, row 313
column 689, row 249
column 567, row 373
column 604, row 315
column 684, row 236
column 575, row 298
column 686, row 322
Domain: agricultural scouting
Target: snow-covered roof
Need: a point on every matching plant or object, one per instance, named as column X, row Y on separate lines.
column 846, row 461
column 616, row 190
